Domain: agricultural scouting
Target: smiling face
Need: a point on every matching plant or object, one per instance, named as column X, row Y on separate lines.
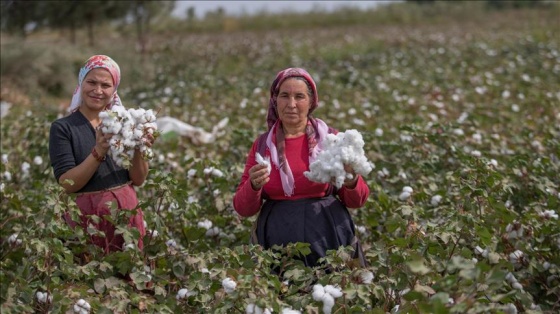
column 293, row 103
column 97, row 90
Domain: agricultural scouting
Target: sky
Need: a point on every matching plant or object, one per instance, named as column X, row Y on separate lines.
column 252, row 7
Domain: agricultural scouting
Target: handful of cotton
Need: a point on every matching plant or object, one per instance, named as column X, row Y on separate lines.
column 263, row 161
column 128, row 128
column 344, row 148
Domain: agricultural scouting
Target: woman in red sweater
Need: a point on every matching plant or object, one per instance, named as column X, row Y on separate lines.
column 291, row 208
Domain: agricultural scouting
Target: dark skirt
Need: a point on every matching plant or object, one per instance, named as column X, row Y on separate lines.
column 324, row 223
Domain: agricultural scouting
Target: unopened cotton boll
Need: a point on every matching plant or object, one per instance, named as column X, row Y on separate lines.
column 263, row 161
column 344, row 148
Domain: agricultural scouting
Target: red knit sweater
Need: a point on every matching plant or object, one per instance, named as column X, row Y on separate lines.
column 247, row 201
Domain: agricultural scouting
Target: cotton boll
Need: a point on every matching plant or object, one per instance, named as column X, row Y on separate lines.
column 212, row 232
column 404, row 196
column 263, row 161
column 289, row 311
column 38, row 160
column 435, row 200
column 318, row 292
column 82, row 307
column 328, row 303
column 334, row 291
column 14, row 239
column 184, row 293
column 43, row 297
column 366, row 277
column 229, row 285
column 206, row 224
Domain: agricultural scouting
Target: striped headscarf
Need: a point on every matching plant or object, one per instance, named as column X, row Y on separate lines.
column 97, row 61
column 316, row 129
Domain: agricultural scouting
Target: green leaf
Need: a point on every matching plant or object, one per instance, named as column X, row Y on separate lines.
column 418, row 267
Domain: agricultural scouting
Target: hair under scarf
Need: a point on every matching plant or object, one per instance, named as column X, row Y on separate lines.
column 94, row 62
column 316, row 130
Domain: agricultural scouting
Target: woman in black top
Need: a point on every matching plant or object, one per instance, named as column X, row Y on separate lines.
column 78, row 152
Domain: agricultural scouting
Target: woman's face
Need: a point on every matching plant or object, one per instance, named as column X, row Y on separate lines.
column 97, row 89
column 293, row 102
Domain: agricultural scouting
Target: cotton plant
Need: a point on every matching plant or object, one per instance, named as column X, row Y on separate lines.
column 344, row 148
column 129, row 128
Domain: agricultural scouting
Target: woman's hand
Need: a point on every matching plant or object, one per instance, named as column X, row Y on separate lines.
column 102, row 142
column 149, row 140
column 259, row 176
column 350, row 183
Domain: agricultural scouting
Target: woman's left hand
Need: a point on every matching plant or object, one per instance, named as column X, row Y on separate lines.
column 149, row 140
column 350, row 183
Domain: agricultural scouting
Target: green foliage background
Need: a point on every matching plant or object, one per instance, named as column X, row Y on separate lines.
column 468, row 106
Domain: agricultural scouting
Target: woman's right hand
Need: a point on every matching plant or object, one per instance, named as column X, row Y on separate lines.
column 259, row 176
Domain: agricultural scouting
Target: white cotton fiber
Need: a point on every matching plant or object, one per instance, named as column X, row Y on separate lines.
column 263, row 161
column 338, row 150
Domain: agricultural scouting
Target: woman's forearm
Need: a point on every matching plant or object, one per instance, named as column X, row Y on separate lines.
column 76, row 178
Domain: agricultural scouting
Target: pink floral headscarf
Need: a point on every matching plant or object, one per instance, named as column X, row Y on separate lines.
column 97, row 61
column 316, row 130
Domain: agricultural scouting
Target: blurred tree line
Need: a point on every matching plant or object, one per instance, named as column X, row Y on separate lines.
column 496, row 4
column 18, row 17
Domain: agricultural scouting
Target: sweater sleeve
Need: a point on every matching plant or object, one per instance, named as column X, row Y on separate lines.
column 356, row 197
column 246, row 201
column 60, row 149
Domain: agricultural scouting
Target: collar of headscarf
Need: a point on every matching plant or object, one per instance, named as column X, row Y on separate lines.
column 316, row 130
column 97, row 61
